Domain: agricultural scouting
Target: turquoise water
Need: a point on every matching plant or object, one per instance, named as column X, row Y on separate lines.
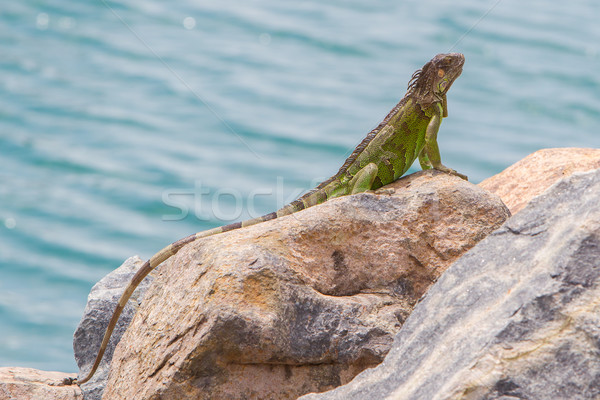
column 127, row 125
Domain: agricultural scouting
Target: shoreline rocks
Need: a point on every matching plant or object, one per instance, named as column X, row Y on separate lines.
column 301, row 303
column 305, row 303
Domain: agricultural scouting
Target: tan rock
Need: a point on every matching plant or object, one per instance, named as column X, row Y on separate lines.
column 531, row 176
column 32, row 384
column 298, row 304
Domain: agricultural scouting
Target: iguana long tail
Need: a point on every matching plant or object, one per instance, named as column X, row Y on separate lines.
column 172, row 249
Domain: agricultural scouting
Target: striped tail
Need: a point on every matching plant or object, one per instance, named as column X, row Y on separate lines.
column 171, row 250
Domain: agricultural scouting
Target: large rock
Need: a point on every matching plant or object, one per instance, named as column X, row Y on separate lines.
column 517, row 317
column 89, row 333
column 298, row 304
column 32, row 384
column 531, row 176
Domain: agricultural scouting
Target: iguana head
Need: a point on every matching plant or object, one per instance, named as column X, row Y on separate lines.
column 430, row 83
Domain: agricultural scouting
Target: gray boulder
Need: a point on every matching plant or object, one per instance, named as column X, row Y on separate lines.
column 517, row 317
column 89, row 333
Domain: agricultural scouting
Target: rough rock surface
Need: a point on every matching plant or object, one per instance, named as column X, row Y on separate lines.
column 298, row 304
column 517, row 317
column 101, row 302
column 531, row 176
column 32, row 384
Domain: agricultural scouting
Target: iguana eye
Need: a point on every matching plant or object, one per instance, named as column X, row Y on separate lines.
column 441, row 73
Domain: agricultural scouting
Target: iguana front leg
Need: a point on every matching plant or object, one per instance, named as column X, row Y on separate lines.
column 430, row 155
column 445, row 105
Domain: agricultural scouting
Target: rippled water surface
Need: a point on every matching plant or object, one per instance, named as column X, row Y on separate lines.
column 127, row 125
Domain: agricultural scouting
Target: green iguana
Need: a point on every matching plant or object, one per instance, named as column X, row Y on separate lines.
column 408, row 132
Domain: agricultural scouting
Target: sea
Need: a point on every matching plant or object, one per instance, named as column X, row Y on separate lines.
column 126, row 125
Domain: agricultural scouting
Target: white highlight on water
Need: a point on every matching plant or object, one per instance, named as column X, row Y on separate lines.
column 42, row 20
column 10, row 223
column 264, row 39
column 189, row 23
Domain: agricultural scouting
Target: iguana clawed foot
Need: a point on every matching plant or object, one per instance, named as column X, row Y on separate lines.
column 450, row 171
column 453, row 172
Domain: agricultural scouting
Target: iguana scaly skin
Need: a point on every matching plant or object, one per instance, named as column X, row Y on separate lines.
column 408, row 132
